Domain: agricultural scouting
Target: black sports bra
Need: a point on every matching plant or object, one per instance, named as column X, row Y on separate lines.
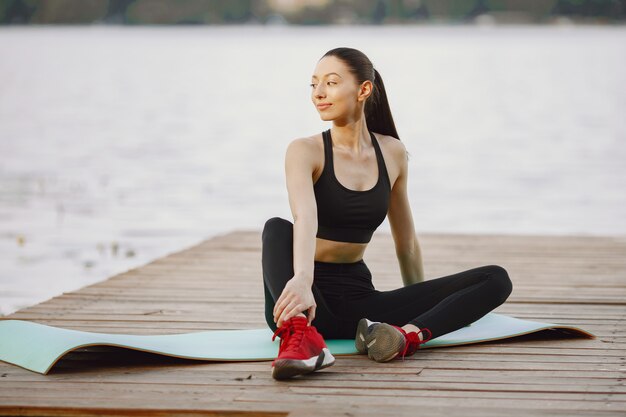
column 347, row 215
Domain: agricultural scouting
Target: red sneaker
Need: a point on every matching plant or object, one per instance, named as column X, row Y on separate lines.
column 382, row 342
column 302, row 349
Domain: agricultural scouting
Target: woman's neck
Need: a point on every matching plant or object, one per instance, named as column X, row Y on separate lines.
column 352, row 136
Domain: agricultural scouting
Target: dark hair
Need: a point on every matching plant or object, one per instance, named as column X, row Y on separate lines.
column 377, row 111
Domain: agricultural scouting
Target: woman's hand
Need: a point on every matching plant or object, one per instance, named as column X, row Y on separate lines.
column 295, row 298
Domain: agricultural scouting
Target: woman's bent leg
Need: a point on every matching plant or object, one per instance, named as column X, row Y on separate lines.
column 277, row 254
column 302, row 348
column 277, row 265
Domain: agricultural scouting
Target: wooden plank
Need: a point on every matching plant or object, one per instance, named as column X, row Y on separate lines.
column 565, row 279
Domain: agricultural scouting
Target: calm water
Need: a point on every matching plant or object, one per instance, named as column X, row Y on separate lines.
column 120, row 145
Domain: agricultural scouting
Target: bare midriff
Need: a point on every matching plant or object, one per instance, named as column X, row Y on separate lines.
column 338, row 252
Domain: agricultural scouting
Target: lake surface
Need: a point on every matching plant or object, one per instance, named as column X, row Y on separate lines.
column 119, row 145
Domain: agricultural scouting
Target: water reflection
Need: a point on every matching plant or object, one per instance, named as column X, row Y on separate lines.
column 120, row 145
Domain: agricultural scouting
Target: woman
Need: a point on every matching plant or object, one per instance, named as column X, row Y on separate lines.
column 341, row 185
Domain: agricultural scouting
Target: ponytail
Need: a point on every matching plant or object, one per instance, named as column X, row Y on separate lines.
column 377, row 112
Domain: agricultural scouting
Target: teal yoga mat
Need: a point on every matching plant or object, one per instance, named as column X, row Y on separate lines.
column 38, row 347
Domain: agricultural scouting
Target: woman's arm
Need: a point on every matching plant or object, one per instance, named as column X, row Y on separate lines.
column 401, row 222
column 297, row 295
column 299, row 166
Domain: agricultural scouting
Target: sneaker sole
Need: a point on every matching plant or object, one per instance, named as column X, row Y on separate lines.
column 288, row 368
column 384, row 343
column 361, row 334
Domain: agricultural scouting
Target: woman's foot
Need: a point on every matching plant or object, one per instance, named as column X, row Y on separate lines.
column 382, row 342
column 302, row 349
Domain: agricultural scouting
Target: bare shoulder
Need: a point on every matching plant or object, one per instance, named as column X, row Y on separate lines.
column 306, row 150
column 395, row 155
column 306, row 142
column 306, row 147
column 393, row 147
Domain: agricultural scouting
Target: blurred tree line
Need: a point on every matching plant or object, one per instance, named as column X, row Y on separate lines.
column 305, row 12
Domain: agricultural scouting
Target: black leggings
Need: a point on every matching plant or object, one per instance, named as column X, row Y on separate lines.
column 344, row 292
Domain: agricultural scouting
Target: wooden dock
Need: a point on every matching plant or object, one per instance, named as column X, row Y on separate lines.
column 217, row 285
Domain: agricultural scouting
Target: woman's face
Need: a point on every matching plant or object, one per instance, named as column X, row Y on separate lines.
column 335, row 92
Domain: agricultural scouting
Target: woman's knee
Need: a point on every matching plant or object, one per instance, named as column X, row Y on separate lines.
column 276, row 225
column 500, row 282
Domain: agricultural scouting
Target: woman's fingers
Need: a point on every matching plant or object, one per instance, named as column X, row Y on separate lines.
column 291, row 311
column 285, row 313
column 279, row 303
column 282, row 301
column 278, row 308
column 280, row 314
column 295, row 298
column 281, row 306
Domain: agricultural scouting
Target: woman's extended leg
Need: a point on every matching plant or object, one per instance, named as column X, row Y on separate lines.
column 442, row 304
